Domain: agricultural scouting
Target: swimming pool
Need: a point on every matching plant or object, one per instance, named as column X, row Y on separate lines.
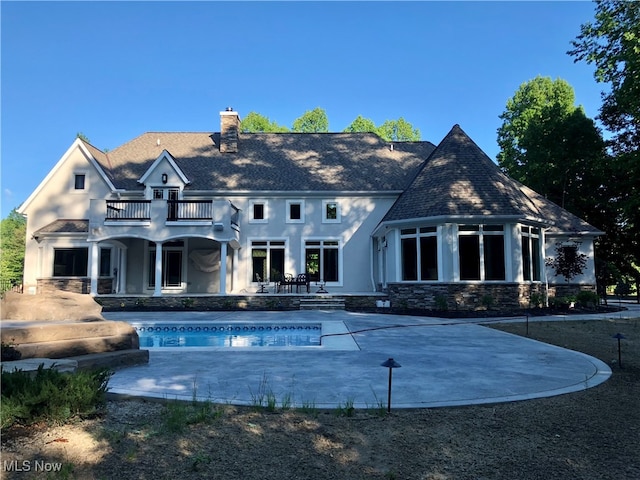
column 163, row 335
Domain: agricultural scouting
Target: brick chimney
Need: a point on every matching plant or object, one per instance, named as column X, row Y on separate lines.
column 229, row 130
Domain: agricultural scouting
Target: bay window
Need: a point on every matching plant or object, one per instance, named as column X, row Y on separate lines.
column 419, row 251
column 481, row 252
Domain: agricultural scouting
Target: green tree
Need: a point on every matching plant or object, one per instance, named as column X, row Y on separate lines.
column 83, row 137
column 568, row 261
column 313, row 121
column 12, row 241
column 398, row 131
column 612, row 44
column 361, row 125
column 551, row 146
column 255, row 122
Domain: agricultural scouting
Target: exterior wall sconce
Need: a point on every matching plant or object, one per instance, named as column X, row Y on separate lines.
column 391, row 364
column 165, row 178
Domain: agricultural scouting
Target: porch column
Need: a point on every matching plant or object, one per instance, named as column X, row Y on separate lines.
column 157, row 292
column 122, row 271
column 223, row 267
column 234, row 270
column 94, row 268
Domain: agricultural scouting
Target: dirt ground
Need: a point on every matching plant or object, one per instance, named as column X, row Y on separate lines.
column 592, row 434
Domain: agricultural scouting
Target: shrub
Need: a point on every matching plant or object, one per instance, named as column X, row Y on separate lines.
column 587, row 299
column 441, row 302
column 561, row 302
column 9, row 353
column 51, row 396
column 487, row 301
column 536, row 300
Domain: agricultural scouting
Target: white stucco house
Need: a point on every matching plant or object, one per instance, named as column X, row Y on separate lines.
column 219, row 214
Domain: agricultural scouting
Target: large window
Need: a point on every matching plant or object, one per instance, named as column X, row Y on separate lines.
column 481, row 252
column 70, row 262
column 267, row 260
column 531, row 253
column 419, row 253
column 322, row 260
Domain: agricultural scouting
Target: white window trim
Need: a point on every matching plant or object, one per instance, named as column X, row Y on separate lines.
column 165, row 192
column 302, row 211
column 481, row 233
column 341, row 265
column 325, row 204
column 265, row 205
column 252, row 281
column 72, row 186
column 418, row 235
column 530, row 236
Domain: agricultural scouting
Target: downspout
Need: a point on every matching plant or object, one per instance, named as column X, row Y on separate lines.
column 543, row 242
column 371, row 253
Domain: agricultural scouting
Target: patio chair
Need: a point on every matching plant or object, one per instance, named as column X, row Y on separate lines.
column 302, row 280
column 286, row 283
column 263, row 284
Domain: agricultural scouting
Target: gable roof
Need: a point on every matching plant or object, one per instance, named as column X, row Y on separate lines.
column 164, row 156
column 360, row 162
column 460, row 180
column 94, row 157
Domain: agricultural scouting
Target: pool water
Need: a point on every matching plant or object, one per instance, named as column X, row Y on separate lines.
column 172, row 335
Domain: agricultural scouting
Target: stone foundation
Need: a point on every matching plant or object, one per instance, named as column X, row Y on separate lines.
column 228, row 302
column 75, row 285
column 503, row 297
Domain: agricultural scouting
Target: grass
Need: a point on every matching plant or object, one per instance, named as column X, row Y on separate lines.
column 51, row 396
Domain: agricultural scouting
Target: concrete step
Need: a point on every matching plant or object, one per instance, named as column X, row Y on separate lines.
column 111, row 360
column 76, row 347
column 322, row 303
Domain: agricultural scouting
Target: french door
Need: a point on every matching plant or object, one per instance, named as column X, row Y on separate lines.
column 171, row 265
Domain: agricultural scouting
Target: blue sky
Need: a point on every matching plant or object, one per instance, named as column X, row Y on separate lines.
column 114, row 70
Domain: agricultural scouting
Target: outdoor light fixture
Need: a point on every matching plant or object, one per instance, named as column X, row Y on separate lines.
column 391, row 364
column 165, row 178
column 619, row 336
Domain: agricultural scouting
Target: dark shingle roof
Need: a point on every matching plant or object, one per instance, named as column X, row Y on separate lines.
column 64, row 226
column 273, row 162
column 459, row 179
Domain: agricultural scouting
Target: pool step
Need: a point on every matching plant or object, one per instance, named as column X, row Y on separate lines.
column 322, row 303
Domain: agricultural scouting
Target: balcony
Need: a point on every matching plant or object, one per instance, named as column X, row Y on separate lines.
column 128, row 210
column 176, row 210
column 159, row 219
